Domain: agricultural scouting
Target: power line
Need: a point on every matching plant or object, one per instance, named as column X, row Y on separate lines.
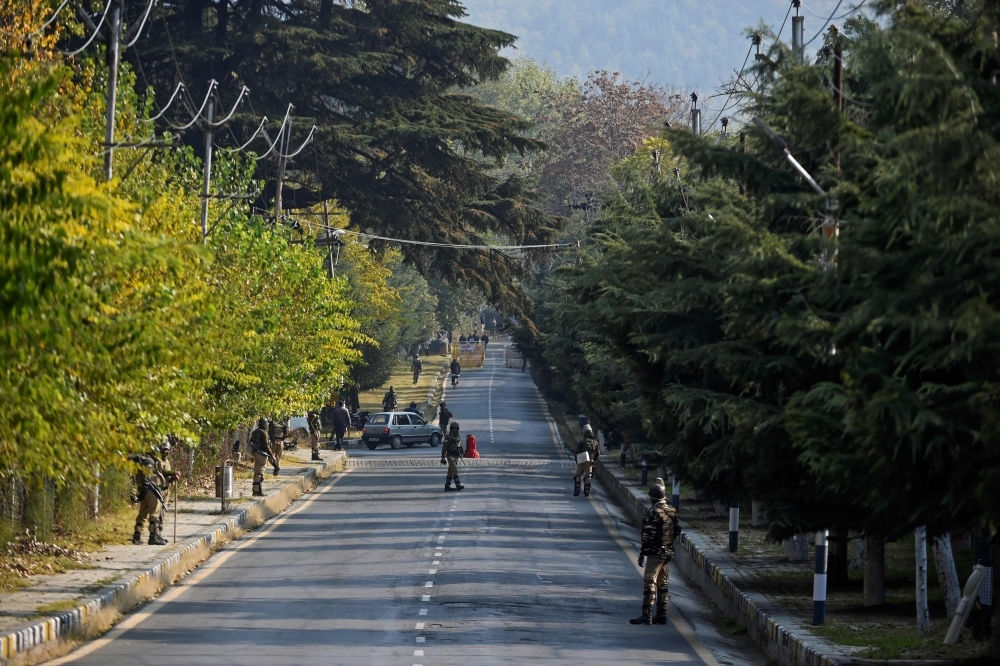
column 54, row 16
column 837, row 18
column 830, row 18
column 97, row 31
column 197, row 115
column 787, row 13
column 142, row 24
column 733, row 92
column 458, row 246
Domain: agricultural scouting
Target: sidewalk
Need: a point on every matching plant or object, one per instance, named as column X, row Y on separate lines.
column 46, row 619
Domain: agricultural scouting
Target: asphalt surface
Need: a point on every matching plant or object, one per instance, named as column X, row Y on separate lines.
column 380, row 566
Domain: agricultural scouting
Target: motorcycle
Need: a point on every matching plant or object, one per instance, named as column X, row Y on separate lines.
column 454, row 379
column 359, row 419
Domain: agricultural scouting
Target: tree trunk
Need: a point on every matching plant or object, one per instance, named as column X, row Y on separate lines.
column 797, row 548
column 355, row 400
column 920, row 555
column 944, row 562
column 874, row 594
column 222, row 25
column 756, row 515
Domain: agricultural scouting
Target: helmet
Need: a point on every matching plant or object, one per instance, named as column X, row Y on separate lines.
column 657, row 492
column 261, row 422
column 392, row 389
column 454, row 425
column 587, row 428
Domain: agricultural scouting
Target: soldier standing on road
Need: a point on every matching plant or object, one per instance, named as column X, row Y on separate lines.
column 312, row 418
column 261, row 451
column 341, row 422
column 276, row 432
column 452, row 451
column 152, row 480
column 659, row 530
column 390, row 401
column 585, row 469
column 417, row 367
column 444, row 416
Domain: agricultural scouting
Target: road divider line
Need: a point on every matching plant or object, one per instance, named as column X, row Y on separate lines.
column 193, row 579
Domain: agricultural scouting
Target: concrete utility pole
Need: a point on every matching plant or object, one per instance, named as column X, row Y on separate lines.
column 798, row 33
column 734, row 526
column 695, row 114
column 207, row 168
column 114, row 53
column 283, row 144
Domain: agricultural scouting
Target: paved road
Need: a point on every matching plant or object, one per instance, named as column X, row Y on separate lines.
column 380, row 566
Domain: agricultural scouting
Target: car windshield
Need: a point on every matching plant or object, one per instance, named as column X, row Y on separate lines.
column 379, row 419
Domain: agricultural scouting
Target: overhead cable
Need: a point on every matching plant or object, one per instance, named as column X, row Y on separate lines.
column 260, row 128
column 837, row 18
column 457, row 246
column 170, row 101
column 93, row 36
column 52, row 18
column 724, row 106
column 830, row 18
column 238, row 100
column 787, row 13
column 142, row 24
column 197, row 115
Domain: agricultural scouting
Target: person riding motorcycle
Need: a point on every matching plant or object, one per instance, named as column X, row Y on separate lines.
column 456, row 370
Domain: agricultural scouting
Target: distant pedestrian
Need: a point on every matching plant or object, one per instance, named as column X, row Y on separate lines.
column 390, row 401
column 152, row 480
column 260, row 450
column 485, row 340
column 277, row 430
column 587, row 453
column 341, row 423
column 524, row 363
column 451, row 451
column 444, row 416
column 659, row 530
column 312, row 418
column 475, row 337
column 412, row 409
column 326, row 416
column 461, row 338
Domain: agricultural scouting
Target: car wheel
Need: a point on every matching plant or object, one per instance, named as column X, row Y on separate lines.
column 371, row 447
column 409, row 445
column 397, row 442
column 435, row 440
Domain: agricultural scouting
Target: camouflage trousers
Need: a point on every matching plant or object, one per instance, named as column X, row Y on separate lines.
column 314, row 443
column 655, row 577
column 452, row 467
column 149, row 509
column 259, row 460
column 584, row 470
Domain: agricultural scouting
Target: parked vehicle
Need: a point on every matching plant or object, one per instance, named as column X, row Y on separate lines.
column 399, row 429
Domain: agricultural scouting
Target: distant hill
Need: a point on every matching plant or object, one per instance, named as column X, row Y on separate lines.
column 685, row 43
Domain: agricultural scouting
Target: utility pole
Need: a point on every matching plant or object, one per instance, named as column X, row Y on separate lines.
column 695, row 115
column 819, row 580
column 329, row 237
column 114, row 52
column 798, row 33
column 282, row 160
column 207, row 168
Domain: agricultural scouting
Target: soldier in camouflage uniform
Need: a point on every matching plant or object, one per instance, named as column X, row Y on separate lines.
column 585, row 470
column 314, row 426
column 260, row 450
column 277, row 430
column 152, row 479
column 452, row 451
column 659, row 530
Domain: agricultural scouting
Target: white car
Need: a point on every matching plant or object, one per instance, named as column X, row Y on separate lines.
column 399, row 429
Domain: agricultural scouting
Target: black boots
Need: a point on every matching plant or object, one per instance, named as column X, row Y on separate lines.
column 586, row 488
column 661, row 606
column 157, row 540
column 458, row 484
column 316, row 456
column 137, row 537
column 647, row 608
column 576, row 487
column 447, row 486
column 258, row 480
column 276, row 469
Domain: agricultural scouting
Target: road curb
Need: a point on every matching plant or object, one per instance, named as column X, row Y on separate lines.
column 40, row 640
column 714, row 573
